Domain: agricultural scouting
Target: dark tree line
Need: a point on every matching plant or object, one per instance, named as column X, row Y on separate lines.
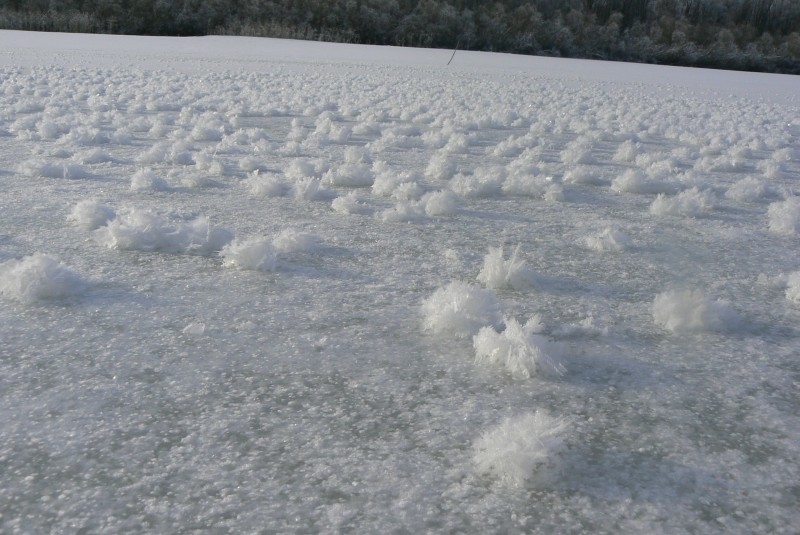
column 738, row 34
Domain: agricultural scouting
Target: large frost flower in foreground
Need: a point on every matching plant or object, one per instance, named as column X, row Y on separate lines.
column 517, row 348
column 692, row 310
column 38, row 277
column 460, row 309
column 519, row 446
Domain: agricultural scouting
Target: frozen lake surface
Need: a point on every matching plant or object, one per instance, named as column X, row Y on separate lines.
column 251, row 285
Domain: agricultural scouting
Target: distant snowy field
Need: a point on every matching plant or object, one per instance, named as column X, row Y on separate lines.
column 250, row 285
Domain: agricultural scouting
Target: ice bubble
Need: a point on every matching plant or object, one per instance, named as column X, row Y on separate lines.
column 38, row 277
column 460, row 309
column 692, row 202
column 258, row 254
column 497, row 272
column 147, row 180
column 89, row 214
column 518, row 447
column 145, row 230
column 784, row 216
column 693, row 311
column 519, row 348
column 610, row 239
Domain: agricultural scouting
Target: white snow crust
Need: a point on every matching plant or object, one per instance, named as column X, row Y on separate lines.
column 256, row 285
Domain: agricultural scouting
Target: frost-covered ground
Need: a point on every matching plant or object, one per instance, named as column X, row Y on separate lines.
column 251, row 285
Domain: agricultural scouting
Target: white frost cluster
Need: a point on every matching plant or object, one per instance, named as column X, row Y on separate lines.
column 497, row 272
column 460, row 309
column 610, row 239
column 147, row 180
column 518, row 348
column 793, row 287
column 513, row 451
column 90, row 215
column 38, row 277
column 784, row 216
column 258, row 254
column 693, row 311
column 692, row 202
column 145, row 230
